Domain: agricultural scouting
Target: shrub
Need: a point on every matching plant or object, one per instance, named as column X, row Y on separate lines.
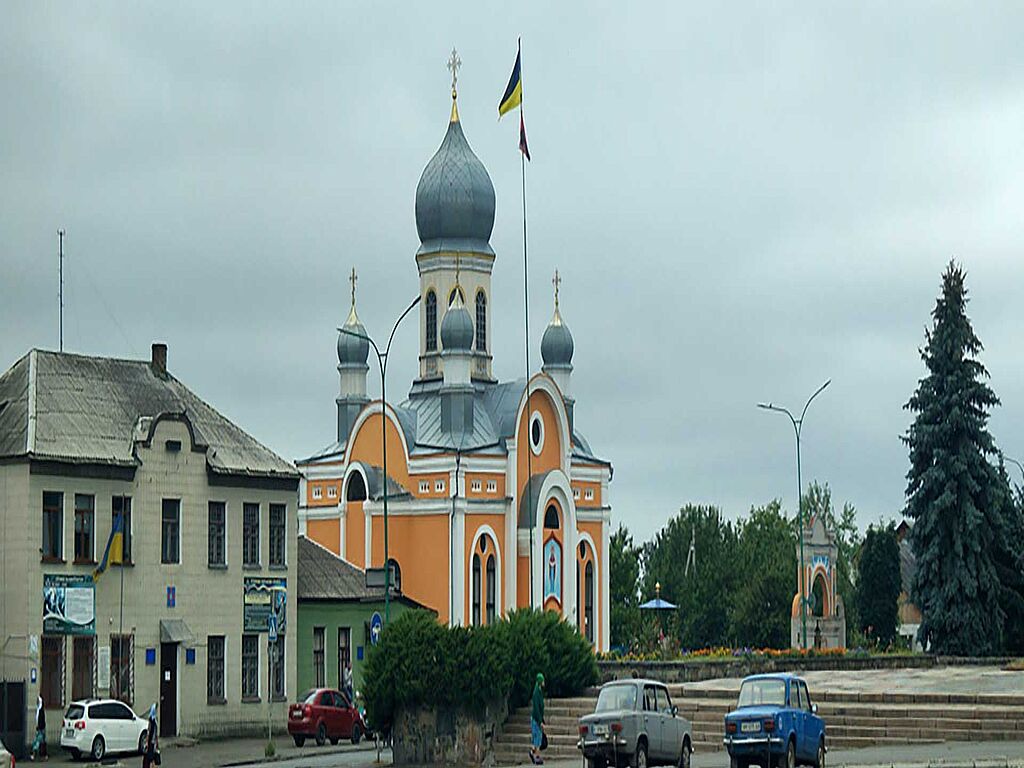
column 419, row 662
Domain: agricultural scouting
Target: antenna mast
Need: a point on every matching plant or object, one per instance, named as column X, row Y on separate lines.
column 60, row 293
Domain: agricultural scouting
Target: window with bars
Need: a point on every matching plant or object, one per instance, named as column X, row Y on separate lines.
column 430, row 312
column 481, row 322
column 53, row 526
column 250, row 667
column 85, row 527
column 251, row 534
column 277, row 691
column 277, row 535
column 122, row 668
column 215, row 670
column 319, row 673
column 170, row 531
column 51, row 676
column 83, row 667
column 344, row 653
column 122, row 505
column 216, row 534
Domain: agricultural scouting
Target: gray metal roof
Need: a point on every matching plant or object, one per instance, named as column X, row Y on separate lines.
column 455, row 198
column 92, row 410
column 322, row 575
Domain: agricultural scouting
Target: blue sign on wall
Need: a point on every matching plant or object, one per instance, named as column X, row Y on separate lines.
column 376, row 627
column 190, row 655
column 171, row 597
column 359, row 653
column 150, row 657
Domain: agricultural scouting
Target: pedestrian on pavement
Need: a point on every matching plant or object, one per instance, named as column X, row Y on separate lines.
column 151, row 756
column 39, row 743
column 346, row 683
column 537, row 721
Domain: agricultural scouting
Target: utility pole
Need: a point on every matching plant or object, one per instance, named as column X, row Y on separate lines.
column 60, row 290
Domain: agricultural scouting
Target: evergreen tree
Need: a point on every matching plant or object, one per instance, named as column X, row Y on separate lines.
column 624, row 586
column 1009, row 559
column 953, row 492
column 879, row 584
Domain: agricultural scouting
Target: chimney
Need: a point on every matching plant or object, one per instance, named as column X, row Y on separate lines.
column 158, row 361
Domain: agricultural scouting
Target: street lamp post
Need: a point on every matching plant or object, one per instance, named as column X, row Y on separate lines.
column 382, row 362
column 797, row 427
column 1014, row 462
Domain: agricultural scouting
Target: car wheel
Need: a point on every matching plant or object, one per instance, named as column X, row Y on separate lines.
column 142, row 743
column 820, row 762
column 639, row 756
column 357, row 734
column 684, row 754
column 299, row 740
column 791, row 755
column 321, row 735
column 99, row 749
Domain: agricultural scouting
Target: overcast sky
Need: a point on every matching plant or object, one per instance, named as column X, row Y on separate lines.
column 743, row 202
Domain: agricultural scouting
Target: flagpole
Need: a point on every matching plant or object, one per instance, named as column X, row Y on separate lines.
column 526, row 316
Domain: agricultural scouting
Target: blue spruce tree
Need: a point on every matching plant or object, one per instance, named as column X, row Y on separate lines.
column 954, row 494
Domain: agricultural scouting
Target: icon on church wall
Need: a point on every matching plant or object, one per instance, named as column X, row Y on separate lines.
column 553, row 570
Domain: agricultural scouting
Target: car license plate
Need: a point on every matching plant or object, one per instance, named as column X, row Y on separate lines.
column 296, row 715
column 600, row 730
column 751, row 726
column 69, row 732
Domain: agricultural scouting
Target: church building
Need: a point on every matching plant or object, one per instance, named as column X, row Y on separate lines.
column 495, row 499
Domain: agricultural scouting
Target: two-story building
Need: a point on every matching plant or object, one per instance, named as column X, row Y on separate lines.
column 209, row 547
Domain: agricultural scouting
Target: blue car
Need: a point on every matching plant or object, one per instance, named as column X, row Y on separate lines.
column 775, row 724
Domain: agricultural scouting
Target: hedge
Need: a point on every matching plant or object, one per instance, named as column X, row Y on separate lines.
column 419, row 662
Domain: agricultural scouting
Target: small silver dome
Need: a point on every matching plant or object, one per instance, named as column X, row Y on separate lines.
column 556, row 345
column 353, row 350
column 455, row 197
column 457, row 327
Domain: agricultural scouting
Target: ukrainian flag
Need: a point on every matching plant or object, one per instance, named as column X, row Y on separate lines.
column 114, row 553
column 514, row 92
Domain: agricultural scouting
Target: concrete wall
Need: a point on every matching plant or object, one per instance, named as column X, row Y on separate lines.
column 208, row 600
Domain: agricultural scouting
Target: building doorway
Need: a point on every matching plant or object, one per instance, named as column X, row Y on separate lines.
column 168, row 689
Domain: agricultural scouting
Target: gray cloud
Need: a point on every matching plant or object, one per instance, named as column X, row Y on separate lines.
column 743, row 202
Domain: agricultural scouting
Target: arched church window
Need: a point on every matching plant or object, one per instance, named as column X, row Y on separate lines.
column 551, row 518
column 481, row 322
column 491, row 584
column 451, row 296
column 476, row 590
column 356, row 490
column 588, row 590
column 431, row 311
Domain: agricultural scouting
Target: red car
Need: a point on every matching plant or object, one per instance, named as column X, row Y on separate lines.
column 322, row 714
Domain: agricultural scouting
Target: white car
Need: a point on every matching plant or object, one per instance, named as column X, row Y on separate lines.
column 95, row 727
column 6, row 758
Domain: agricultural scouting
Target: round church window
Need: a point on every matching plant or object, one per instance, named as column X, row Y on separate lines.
column 536, row 433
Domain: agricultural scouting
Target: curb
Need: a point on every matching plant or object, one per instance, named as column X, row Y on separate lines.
column 988, row 762
column 259, row 759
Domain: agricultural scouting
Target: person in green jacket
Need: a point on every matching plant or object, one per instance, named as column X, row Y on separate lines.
column 537, row 721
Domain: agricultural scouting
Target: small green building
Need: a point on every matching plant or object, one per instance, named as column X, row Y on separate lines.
column 335, row 608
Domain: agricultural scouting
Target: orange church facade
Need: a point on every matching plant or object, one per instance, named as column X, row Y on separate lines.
column 495, row 499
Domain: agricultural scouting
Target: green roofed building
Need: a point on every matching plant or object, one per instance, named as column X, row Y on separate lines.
column 335, row 612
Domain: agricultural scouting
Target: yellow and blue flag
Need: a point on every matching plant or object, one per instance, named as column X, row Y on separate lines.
column 514, row 91
column 114, row 553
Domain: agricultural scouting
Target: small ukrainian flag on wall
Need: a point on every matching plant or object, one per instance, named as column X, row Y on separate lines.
column 114, row 553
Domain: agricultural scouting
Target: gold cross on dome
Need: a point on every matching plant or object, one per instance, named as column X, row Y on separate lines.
column 352, row 279
column 556, row 281
column 454, row 62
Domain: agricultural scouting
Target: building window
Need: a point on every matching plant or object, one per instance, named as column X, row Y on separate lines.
column 588, row 600
column 251, row 534
column 492, row 486
column 476, row 590
column 216, row 534
column 122, row 668
column 332, row 492
column 344, row 655
column 589, row 494
column 250, row 667
column 277, row 535
column 85, row 526
column 53, row 525
column 536, row 433
column 170, row 531
column 277, row 669
column 356, row 490
column 576, row 494
column 439, row 486
column 215, row 670
column 83, row 668
column 481, row 322
column 424, row 486
column 475, row 486
column 318, row 492
column 551, row 518
column 51, row 677
column 319, row 674
column 122, row 505
column 492, row 584
column 430, row 343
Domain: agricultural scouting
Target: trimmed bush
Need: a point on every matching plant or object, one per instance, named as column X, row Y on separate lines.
column 419, row 662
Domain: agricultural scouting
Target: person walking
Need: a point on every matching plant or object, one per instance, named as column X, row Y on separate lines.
column 346, row 683
column 537, row 721
column 151, row 755
column 39, row 742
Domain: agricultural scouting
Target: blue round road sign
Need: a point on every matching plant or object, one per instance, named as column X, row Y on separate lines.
column 376, row 627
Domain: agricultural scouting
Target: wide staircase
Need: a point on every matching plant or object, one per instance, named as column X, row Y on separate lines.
column 852, row 720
